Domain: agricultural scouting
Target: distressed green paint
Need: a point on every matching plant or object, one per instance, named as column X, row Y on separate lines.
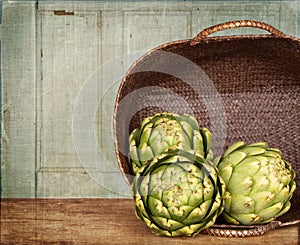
column 18, row 99
column 46, row 58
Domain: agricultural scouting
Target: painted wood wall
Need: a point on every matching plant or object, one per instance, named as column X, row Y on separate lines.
column 51, row 51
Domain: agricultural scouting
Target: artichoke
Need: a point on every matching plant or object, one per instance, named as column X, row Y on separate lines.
column 178, row 193
column 165, row 131
column 259, row 183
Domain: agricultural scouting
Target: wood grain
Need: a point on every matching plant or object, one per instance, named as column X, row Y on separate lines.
column 100, row 221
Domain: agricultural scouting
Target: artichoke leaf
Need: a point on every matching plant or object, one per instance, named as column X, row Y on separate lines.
column 284, row 209
column 206, row 136
column 197, row 143
column 234, row 147
column 233, row 159
column 270, row 212
column 248, row 219
column 241, row 204
column 261, row 144
column 208, row 189
column 190, row 119
column 263, row 200
column 240, row 183
column 145, row 153
column 253, row 151
column 250, row 166
column 167, row 224
column 226, row 173
column 180, row 213
column 187, row 128
column 198, row 213
column 157, row 208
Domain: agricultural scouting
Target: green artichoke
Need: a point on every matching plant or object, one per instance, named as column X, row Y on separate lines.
column 165, row 131
column 178, row 194
column 259, row 183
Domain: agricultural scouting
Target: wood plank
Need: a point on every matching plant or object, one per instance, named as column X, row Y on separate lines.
column 18, row 99
column 70, row 47
column 73, row 182
column 144, row 30
column 101, row 221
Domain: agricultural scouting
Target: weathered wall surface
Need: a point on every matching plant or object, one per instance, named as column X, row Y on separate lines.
column 50, row 50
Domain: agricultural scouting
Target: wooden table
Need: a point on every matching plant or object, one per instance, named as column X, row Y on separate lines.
column 100, row 221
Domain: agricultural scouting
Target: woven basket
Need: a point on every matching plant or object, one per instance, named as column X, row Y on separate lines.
column 241, row 87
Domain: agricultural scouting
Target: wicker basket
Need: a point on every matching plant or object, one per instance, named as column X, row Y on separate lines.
column 241, row 87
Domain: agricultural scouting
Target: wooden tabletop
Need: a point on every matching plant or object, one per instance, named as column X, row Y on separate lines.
column 101, row 221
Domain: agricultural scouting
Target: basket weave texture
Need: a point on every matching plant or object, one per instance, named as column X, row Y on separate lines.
column 255, row 78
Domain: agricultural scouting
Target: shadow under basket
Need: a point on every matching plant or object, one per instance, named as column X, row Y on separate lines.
column 243, row 87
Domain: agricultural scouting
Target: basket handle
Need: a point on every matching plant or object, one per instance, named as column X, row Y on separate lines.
column 235, row 24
